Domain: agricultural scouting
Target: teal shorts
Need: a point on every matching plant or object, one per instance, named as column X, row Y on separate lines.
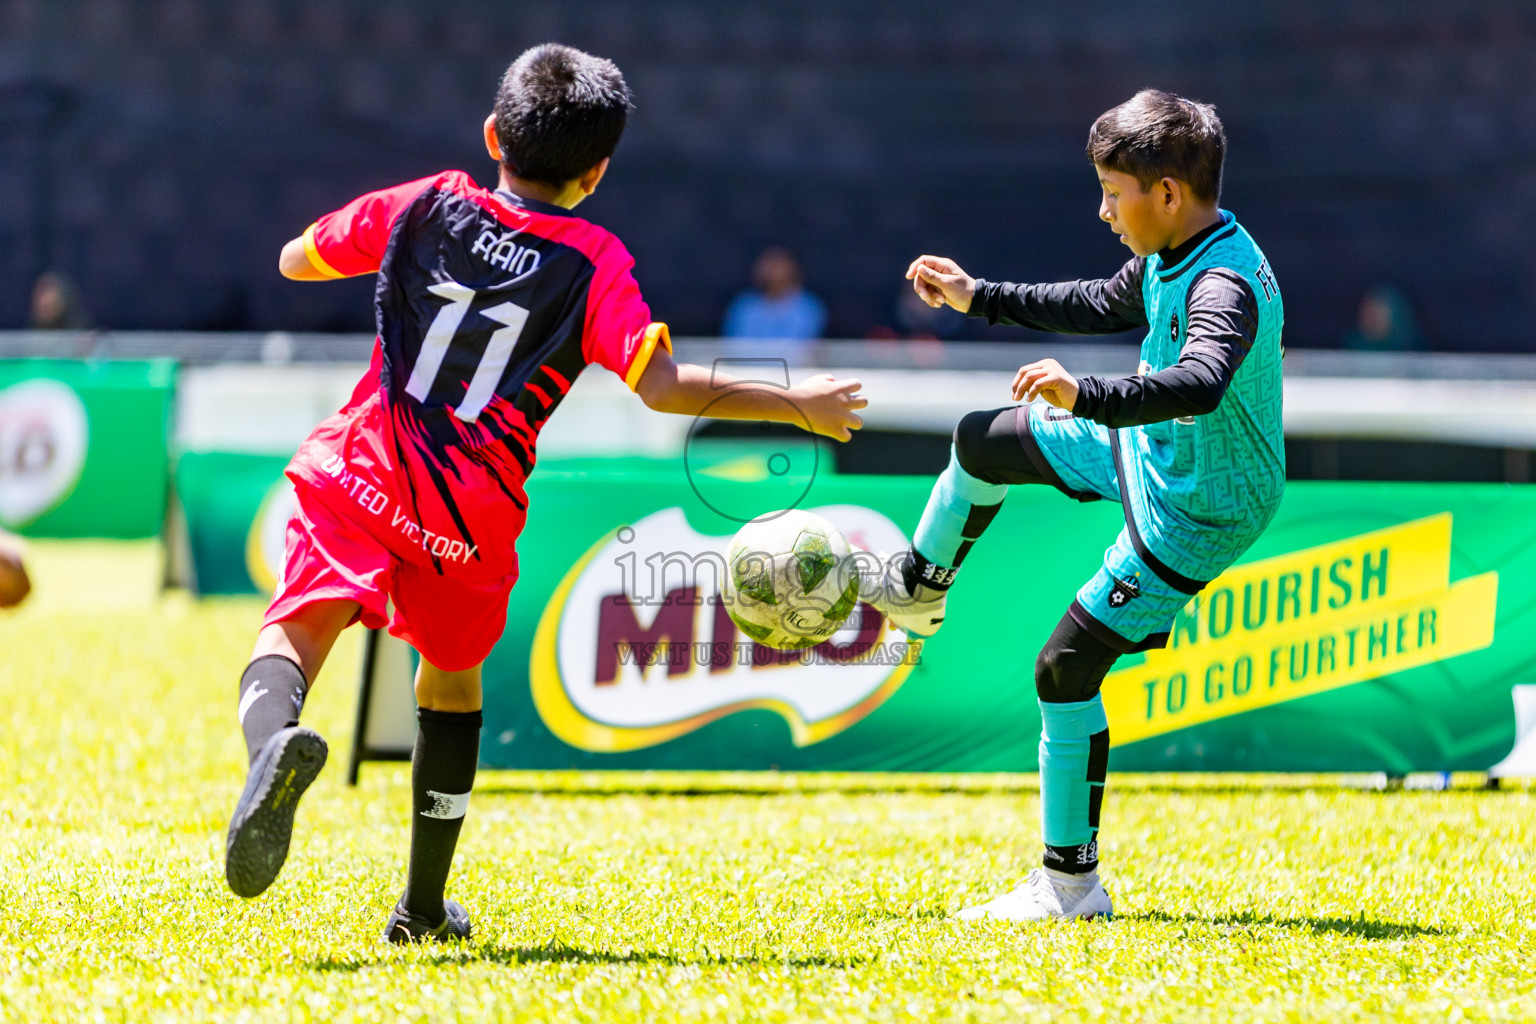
column 1131, row 602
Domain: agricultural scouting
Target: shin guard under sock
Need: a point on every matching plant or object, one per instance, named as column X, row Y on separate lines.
column 960, row 507
column 1074, row 759
column 271, row 696
column 442, row 774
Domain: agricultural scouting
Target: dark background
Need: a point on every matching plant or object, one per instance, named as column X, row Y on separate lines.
column 160, row 152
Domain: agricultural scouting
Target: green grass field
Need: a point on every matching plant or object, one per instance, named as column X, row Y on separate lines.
column 709, row 897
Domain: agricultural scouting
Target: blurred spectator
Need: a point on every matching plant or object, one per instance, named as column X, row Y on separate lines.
column 56, row 305
column 1386, row 323
column 777, row 306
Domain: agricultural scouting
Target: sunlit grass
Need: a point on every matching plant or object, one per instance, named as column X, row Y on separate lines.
column 645, row 897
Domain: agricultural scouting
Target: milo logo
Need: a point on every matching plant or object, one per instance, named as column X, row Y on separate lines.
column 43, row 440
column 636, row 647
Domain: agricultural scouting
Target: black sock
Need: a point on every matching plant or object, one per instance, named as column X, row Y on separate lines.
column 271, row 697
column 1073, row 860
column 918, row 568
column 442, row 774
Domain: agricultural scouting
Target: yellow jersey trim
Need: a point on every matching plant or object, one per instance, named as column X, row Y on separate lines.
column 656, row 333
column 313, row 252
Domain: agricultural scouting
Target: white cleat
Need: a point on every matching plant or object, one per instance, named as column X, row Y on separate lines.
column 920, row 614
column 1047, row 895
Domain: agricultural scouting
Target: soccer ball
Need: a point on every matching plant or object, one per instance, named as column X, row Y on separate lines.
column 789, row 582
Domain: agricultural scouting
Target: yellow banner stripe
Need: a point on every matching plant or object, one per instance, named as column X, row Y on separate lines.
column 1316, row 584
column 1211, row 681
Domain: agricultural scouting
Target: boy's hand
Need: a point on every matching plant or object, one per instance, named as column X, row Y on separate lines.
column 829, row 405
column 939, row 280
column 1045, row 379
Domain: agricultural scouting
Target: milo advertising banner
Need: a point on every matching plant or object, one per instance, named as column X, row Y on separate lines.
column 231, row 523
column 83, row 446
column 1375, row 627
column 645, row 603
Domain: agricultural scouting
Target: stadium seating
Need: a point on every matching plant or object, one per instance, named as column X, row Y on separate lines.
column 1365, row 135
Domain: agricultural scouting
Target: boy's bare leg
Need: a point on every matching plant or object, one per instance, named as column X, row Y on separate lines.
column 307, row 638
column 284, row 756
column 442, row 774
column 439, row 690
column 287, row 658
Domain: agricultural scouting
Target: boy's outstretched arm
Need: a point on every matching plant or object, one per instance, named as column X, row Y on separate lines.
column 1222, row 324
column 828, row 405
column 1223, row 317
column 1069, row 307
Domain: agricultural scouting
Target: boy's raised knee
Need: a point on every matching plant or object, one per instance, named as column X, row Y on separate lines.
column 1053, row 682
column 970, row 441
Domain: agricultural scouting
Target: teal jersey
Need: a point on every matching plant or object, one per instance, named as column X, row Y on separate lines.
column 1195, row 446
column 1203, row 487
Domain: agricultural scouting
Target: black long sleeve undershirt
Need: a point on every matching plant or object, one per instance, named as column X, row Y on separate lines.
column 1222, row 323
column 1070, row 307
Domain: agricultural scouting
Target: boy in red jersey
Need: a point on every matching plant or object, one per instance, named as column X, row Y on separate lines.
column 489, row 306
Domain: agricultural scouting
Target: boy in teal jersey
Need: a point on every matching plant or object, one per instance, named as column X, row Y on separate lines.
column 1191, row 446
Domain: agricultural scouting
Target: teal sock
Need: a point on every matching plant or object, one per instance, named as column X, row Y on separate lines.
column 959, row 508
column 1074, row 759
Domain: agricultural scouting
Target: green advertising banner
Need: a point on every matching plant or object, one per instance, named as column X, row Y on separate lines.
column 1374, row 627
column 83, row 446
column 1380, row 627
column 234, row 511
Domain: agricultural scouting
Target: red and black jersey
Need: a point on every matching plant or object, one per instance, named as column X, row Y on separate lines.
column 488, row 307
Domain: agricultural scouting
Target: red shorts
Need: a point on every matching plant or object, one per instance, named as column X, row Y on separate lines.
column 453, row 623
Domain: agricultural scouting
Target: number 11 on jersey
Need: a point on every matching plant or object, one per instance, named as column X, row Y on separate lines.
column 444, row 329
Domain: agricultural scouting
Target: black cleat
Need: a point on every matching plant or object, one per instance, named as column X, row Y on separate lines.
column 262, row 824
column 405, row 928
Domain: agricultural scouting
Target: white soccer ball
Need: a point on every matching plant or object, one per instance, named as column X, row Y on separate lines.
column 789, row 582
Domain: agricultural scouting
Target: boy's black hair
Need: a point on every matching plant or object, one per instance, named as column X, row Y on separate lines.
column 559, row 112
column 1155, row 135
